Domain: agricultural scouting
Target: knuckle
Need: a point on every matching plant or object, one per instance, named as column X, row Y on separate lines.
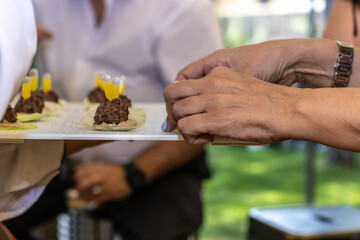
column 216, row 115
column 214, row 82
column 185, row 126
column 218, row 53
column 182, row 126
column 176, row 110
column 167, row 92
column 217, row 70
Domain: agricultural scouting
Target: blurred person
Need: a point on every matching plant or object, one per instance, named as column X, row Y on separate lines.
column 17, row 48
column 22, row 179
column 148, row 42
column 344, row 21
column 244, row 93
column 18, row 45
column 344, row 27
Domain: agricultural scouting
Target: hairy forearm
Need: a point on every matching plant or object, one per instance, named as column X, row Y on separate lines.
column 164, row 157
column 328, row 116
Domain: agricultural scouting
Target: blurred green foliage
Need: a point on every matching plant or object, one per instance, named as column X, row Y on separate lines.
column 243, row 178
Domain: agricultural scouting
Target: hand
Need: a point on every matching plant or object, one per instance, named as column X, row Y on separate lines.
column 43, row 33
column 109, row 178
column 284, row 62
column 269, row 61
column 230, row 104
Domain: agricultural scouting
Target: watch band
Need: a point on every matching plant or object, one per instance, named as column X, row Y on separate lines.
column 135, row 177
column 343, row 66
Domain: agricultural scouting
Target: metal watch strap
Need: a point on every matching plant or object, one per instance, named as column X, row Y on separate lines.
column 343, row 66
column 135, row 177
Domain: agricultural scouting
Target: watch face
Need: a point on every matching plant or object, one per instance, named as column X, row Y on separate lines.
column 345, row 44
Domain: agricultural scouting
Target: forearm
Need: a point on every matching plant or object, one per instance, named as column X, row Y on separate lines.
column 164, row 157
column 328, row 116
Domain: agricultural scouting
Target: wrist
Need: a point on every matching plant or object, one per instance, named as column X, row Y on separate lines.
column 314, row 61
column 285, row 121
column 135, row 177
column 145, row 166
column 302, row 114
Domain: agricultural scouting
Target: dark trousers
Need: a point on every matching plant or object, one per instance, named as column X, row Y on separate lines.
column 168, row 209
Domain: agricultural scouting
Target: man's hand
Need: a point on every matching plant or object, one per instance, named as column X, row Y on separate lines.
column 283, row 62
column 43, row 33
column 266, row 61
column 230, row 104
column 102, row 182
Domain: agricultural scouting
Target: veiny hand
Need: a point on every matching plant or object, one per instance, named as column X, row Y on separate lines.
column 109, row 177
column 269, row 61
column 265, row 61
column 283, row 62
column 230, row 104
column 43, row 33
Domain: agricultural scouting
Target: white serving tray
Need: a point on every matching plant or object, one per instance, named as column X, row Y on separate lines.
column 65, row 127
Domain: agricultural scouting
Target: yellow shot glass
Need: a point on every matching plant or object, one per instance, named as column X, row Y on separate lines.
column 98, row 81
column 34, row 75
column 116, row 84
column 47, row 82
column 26, row 88
column 122, row 85
column 108, row 87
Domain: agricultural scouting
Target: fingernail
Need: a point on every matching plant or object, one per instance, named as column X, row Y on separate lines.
column 164, row 126
column 201, row 141
column 205, row 138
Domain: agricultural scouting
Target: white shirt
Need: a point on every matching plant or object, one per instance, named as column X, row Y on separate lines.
column 148, row 41
column 17, row 46
column 25, row 169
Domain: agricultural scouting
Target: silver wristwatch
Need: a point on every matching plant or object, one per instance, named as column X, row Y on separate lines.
column 343, row 64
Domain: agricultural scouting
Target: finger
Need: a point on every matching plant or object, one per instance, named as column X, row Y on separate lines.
column 204, row 138
column 43, row 33
column 169, row 125
column 173, row 93
column 196, row 127
column 190, row 106
column 203, row 66
column 88, row 196
column 47, row 34
column 195, row 70
column 88, row 168
column 82, row 171
column 87, row 182
column 182, row 89
column 187, row 90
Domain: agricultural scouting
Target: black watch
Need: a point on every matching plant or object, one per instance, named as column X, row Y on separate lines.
column 135, row 177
